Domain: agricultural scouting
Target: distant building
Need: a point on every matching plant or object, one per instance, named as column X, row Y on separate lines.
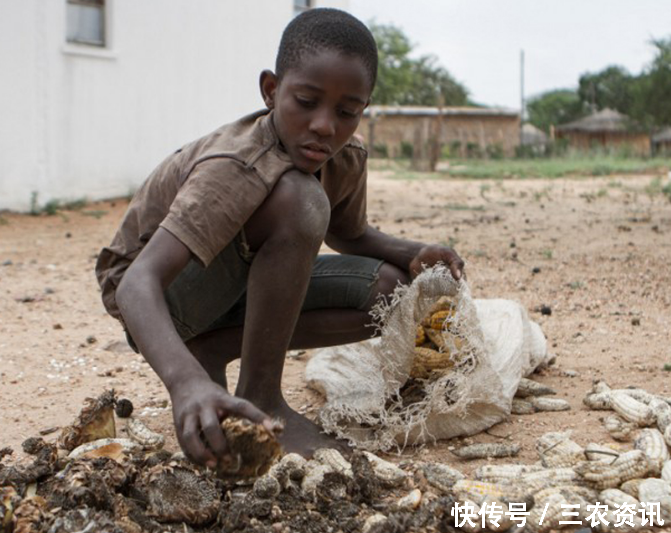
column 661, row 142
column 462, row 130
column 606, row 129
column 95, row 93
column 534, row 139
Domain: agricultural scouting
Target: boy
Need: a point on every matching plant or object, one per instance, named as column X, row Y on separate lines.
column 216, row 257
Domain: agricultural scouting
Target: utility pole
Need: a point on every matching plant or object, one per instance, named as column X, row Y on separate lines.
column 521, row 93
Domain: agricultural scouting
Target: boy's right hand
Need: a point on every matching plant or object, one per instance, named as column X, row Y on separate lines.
column 198, row 406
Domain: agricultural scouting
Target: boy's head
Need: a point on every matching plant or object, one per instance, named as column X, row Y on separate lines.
column 325, row 73
column 324, row 29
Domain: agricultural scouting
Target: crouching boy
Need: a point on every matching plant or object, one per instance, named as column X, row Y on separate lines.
column 217, row 256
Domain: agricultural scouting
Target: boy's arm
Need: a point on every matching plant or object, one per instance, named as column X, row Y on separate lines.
column 407, row 255
column 198, row 403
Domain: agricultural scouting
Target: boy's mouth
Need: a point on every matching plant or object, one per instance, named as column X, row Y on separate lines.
column 315, row 151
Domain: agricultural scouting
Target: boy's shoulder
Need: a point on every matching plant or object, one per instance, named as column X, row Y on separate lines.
column 252, row 143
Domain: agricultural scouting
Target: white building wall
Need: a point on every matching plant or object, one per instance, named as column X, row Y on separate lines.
column 81, row 121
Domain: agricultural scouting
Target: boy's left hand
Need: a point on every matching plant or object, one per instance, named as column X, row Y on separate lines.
column 431, row 254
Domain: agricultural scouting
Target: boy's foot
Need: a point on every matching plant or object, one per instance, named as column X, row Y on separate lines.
column 302, row 436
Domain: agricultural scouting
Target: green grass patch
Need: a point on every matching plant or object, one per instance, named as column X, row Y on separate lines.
column 464, row 207
column 572, row 165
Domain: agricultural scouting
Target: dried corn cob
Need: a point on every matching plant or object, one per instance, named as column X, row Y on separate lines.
column 545, row 515
column 557, row 450
column 541, row 403
column 618, row 428
column 387, row 473
column 483, row 451
column 657, row 490
column 631, row 409
column 494, row 512
column 441, row 476
column 631, row 486
column 617, row 498
column 521, row 407
column 641, row 395
column 662, row 412
column 570, row 492
column 444, row 303
column 651, row 442
column 666, row 472
column 440, row 320
column 629, row 465
column 333, row 458
column 654, row 490
column 548, row 478
column 427, row 360
column 478, row 491
column 420, row 336
column 144, row 436
column 599, row 386
column 529, row 387
column 598, row 401
column 503, row 473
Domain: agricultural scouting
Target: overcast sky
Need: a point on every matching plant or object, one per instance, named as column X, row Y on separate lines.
column 479, row 41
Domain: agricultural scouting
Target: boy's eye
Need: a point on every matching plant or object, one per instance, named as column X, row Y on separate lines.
column 306, row 102
column 348, row 114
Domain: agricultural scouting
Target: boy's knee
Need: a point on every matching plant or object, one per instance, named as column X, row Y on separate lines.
column 297, row 210
column 389, row 276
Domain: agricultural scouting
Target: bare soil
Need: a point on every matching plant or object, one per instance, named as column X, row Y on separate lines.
column 600, row 249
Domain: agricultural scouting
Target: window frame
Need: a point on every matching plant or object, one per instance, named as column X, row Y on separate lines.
column 102, row 6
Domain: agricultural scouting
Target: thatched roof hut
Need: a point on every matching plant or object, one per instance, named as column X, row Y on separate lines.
column 606, row 129
column 661, row 142
column 533, row 136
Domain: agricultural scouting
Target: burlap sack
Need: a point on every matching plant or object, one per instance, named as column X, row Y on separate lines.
column 368, row 397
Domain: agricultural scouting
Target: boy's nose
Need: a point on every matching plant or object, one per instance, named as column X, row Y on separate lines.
column 322, row 124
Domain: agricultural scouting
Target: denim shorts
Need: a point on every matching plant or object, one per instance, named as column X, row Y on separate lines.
column 203, row 299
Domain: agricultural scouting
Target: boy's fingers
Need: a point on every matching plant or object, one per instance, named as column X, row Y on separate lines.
column 193, row 445
column 248, row 410
column 213, row 434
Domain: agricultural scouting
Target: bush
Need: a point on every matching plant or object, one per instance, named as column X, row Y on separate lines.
column 495, row 151
column 473, row 151
column 380, row 150
column 406, row 150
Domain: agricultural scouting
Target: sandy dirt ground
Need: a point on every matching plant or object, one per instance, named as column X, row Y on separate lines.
column 603, row 247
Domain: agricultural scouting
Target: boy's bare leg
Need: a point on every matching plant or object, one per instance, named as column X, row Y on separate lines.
column 286, row 233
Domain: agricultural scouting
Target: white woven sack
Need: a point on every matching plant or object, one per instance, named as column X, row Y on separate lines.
column 362, row 381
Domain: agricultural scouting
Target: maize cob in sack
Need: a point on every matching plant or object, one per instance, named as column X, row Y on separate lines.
column 378, row 397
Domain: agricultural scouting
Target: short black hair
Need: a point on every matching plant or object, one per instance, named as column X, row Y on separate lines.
column 326, row 29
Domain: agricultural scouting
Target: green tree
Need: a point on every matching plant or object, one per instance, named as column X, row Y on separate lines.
column 554, row 108
column 402, row 80
column 652, row 90
column 613, row 87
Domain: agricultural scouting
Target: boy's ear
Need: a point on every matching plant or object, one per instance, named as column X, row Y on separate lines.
column 268, row 84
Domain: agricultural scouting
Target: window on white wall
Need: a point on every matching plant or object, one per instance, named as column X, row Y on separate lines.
column 86, row 22
column 301, row 5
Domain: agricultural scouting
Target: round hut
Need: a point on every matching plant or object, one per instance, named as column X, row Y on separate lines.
column 607, row 130
column 661, row 142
